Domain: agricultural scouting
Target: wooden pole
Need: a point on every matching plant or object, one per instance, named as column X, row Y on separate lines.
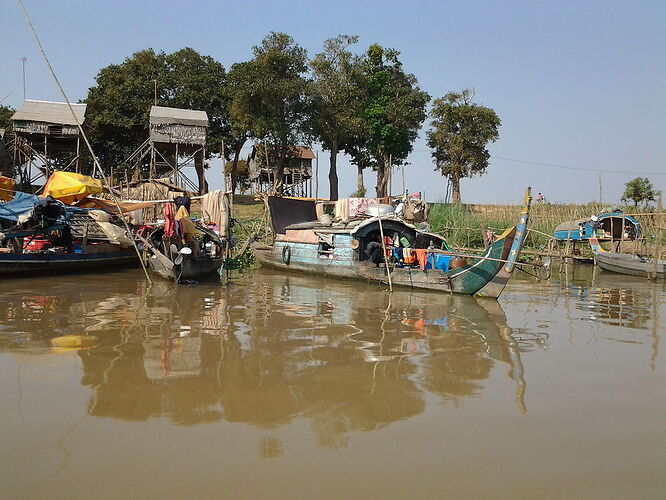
column 381, row 232
column 657, row 250
column 317, row 175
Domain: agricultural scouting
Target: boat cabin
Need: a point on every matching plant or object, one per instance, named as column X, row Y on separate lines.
column 302, row 236
column 605, row 227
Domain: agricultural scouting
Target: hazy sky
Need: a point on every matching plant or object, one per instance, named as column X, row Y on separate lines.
column 577, row 84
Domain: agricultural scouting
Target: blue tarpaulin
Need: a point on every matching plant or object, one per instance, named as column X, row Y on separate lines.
column 22, row 204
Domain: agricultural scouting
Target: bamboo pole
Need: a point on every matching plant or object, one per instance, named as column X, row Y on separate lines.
column 381, row 232
column 657, row 250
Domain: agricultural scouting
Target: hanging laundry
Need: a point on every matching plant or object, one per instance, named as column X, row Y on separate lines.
column 421, row 257
column 169, row 221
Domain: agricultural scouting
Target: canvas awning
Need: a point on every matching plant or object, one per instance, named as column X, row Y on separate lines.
column 69, row 187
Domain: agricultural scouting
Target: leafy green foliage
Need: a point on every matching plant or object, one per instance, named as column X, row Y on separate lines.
column 337, row 99
column 638, row 190
column 460, row 131
column 6, row 113
column 394, row 108
column 269, row 96
column 119, row 104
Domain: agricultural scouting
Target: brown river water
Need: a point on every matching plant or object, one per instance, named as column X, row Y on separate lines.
column 288, row 386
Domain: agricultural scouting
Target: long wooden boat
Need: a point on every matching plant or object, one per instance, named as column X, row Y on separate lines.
column 625, row 263
column 70, row 240
column 340, row 251
column 37, row 264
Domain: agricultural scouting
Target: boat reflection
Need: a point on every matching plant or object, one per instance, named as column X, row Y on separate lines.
column 268, row 350
column 616, row 300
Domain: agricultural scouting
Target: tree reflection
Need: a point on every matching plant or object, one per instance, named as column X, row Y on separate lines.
column 346, row 357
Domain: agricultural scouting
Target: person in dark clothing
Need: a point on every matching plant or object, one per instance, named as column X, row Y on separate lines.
column 182, row 201
column 375, row 252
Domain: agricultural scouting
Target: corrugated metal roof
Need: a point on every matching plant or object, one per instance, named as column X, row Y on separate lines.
column 49, row 112
column 160, row 115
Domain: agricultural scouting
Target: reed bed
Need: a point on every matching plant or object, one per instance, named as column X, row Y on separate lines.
column 463, row 225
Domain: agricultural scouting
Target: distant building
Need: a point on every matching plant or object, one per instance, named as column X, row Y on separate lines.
column 177, row 139
column 44, row 130
column 297, row 178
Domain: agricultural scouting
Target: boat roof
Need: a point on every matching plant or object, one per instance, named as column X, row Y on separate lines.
column 351, row 226
column 575, row 224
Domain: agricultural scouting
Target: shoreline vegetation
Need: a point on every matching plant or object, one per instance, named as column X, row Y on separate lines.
column 463, row 224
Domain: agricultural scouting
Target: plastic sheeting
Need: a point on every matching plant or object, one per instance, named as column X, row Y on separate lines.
column 69, row 187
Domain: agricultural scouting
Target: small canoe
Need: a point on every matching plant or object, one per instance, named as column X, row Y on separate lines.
column 624, row 263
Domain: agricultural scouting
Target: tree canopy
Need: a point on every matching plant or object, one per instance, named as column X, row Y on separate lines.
column 270, row 97
column 337, row 99
column 6, row 113
column 394, row 109
column 639, row 190
column 119, row 104
column 460, row 132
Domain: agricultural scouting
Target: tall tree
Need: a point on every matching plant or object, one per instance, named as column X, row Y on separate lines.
column 460, row 131
column 394, row 109
column 119, row 104
column 639, row 189
column 242, row 94
column 276, row 103
column 337, row 100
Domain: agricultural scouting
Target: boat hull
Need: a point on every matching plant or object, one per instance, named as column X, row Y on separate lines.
column 36, row 264
column 467, row 280
column 191, row 269
column 628, row 264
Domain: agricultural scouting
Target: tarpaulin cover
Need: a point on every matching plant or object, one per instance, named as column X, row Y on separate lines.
column 6, row 188
column 22, row 204
column 286, row 211
column 69, row 187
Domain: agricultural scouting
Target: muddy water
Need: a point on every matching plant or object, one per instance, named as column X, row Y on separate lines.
column 292, row 387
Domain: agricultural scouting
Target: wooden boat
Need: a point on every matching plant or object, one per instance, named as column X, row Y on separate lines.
column 625, row 263
column 178, row 262
column 606, row 227
column 43, row 236
column 340, row 250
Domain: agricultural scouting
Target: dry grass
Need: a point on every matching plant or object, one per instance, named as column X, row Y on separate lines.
column 463, row 225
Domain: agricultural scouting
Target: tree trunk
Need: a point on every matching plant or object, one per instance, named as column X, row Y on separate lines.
column 455, row 188
column 382, row 178
column 278, row 171
column 234, row 165
column 199, row 167
column 360, row 186
column 333, row 174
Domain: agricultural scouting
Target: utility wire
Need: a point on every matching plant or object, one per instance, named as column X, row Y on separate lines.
column 85, row 138
column 555, row 165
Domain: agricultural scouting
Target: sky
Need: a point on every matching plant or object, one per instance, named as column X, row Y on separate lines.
column 576, row 84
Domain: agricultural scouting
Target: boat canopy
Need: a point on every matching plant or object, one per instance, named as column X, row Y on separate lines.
column 614, row 226
column 24, row 204
column 70, row 187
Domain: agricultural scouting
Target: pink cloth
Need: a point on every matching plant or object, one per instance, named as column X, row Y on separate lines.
column 170, row 228
column 358, row 206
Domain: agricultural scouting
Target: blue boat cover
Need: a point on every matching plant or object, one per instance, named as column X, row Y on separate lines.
column 23, row 203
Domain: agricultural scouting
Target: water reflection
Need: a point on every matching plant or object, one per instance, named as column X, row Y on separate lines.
column 269, row 349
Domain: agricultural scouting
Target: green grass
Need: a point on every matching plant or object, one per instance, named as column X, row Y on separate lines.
column 463, row 225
